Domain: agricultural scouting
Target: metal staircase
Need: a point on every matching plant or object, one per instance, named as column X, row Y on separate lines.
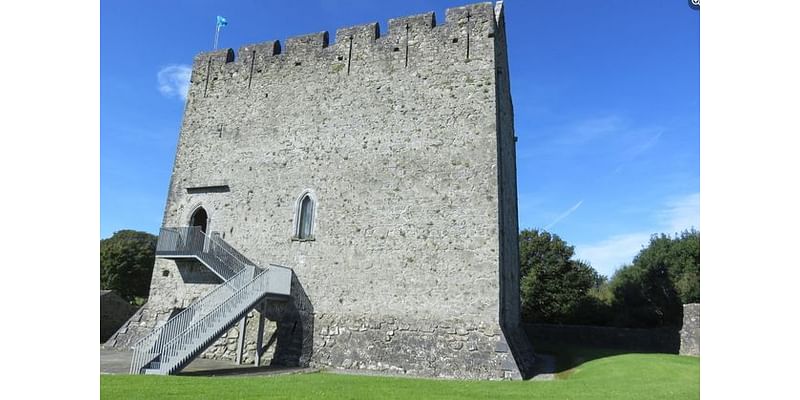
column 172, row 346
column 190, row 242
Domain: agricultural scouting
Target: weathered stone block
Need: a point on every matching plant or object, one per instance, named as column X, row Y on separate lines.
column 690, row 332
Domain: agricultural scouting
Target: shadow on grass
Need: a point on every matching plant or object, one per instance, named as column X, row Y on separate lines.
column 560, row 348
column 244, row 370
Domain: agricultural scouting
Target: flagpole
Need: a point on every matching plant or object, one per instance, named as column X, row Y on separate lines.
column 216, row 37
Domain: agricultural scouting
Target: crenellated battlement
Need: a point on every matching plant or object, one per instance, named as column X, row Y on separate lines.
column 309, row 43
column 362, row 33
column 467, row 35
column 420, row 22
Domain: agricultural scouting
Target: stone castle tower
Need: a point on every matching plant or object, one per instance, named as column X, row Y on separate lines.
column 381, row 169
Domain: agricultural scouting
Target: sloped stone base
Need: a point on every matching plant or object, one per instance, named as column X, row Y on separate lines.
column 446, row 349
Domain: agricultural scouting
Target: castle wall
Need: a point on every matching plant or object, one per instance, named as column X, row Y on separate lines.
column 405, row 141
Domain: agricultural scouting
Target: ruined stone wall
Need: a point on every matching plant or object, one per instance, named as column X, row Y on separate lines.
column 405, row 142
column 114, row 311
column 690, row 331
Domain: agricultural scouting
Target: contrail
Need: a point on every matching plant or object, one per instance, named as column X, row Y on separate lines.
column 564, row 215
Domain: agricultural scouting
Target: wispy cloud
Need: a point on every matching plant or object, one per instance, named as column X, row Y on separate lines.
column 611, row 137
column 584, row 131
column 173, row 80
column 606, row 256
column 681, row 213
column 563, row 215
column 641, row 141
column 651, row 138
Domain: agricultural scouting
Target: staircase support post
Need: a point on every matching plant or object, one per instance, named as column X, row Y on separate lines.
column 240, row 345
column 260, row 337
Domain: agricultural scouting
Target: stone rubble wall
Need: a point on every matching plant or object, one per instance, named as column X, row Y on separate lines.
column 114, row 312
column 690, row 333
column 138, row 326
column 225, row 347
column 446, row 349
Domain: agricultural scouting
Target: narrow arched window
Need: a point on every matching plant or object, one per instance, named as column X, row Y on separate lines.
column 305, row 217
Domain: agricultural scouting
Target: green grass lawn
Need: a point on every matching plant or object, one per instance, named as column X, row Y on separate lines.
column 629, row 376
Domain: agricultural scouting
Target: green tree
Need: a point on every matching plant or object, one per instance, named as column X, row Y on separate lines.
column 663, row 276
column 126, row 263
column 554, row 287
column 681, row 256
column 644, row 297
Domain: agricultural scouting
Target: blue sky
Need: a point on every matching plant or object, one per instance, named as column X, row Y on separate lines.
column 606, row 99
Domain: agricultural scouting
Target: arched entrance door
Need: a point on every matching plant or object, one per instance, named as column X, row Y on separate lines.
column 199, row 218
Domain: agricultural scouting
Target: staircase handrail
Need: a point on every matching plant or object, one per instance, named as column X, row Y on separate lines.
column 193, row 241
column 230, row 250
column 153, row 342
column 198, row 329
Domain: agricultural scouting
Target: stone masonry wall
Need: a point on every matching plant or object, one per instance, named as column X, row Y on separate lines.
column 401, row 161
column 114, row 312
column 443, row 348
column 405, row 141
column 225, row 347
column 690, row 333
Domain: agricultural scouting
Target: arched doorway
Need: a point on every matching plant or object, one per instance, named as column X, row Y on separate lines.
column 199, row 218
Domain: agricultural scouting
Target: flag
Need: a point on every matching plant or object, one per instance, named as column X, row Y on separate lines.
column 221, row 21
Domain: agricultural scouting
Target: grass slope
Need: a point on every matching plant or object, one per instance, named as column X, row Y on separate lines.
column 630, row 376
